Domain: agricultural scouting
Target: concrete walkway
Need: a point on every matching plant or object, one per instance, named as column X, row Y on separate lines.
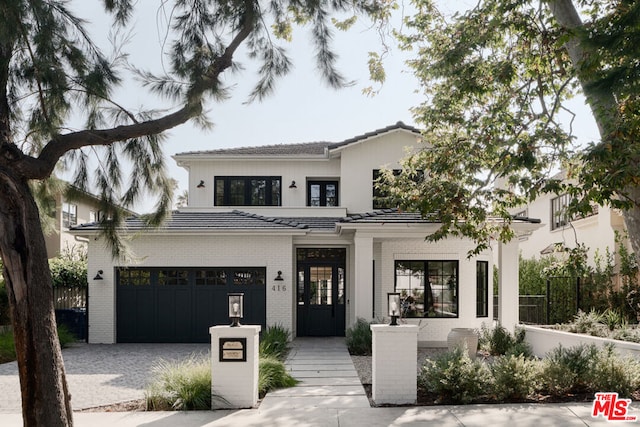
column 326, row 374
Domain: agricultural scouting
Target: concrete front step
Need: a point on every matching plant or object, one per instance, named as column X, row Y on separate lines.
column 320, row 390
column 330, row 402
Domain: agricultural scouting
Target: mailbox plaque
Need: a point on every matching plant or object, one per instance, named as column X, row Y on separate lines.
column 233, row 349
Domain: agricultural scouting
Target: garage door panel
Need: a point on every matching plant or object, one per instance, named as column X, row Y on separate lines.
column 173, row 314
column 180, row 305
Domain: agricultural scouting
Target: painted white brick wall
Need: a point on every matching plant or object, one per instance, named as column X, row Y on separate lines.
column 433, row 331
column 234, row 384
column 157, row 250
column 394, row 378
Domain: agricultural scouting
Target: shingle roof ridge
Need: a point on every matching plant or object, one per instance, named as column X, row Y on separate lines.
column 284, row 221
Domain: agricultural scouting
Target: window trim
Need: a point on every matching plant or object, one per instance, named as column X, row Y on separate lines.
column 247, row 196
column 456, row 290
column 323, row 191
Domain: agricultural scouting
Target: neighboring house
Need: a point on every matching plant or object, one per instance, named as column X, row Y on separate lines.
column 596, row 230
column 72, row 208
column 296, row 229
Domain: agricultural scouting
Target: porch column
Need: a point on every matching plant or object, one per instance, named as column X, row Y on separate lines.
column 363, row 295
column 508, row 285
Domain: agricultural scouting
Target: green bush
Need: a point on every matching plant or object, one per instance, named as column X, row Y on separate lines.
column 359, row 338
column 180, row 385
column 613, row 319
column 567, row 370
column 272, row 374
column 613, row 373
column 68, row 272
column 499, row 342
column 515, row 377
column 7, row 348
column 274, row 342
column 454, row 377
column 587, row 322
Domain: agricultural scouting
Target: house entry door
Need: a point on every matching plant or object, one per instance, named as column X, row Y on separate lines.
column 321, row 292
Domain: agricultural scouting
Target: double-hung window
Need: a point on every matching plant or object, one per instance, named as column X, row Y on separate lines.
column 69, row 214
column 427, row 288
column 248, row 191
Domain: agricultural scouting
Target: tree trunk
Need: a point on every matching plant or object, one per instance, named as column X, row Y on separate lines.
column 604, row 108
column 45, row 396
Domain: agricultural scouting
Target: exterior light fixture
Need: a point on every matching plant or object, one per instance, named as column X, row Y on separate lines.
column 279, row 277
column 99, row 275
column 201, row 185
column 393, row 301
column 293, row 185
column 236, row 303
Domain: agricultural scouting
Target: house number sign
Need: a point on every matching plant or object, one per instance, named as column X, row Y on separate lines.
column 233, row 349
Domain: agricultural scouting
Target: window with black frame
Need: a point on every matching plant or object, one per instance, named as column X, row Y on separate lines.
column 482, row 289
column 248, row 191
column 427, row 288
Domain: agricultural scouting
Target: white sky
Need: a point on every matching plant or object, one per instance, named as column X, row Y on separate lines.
column 302, row 109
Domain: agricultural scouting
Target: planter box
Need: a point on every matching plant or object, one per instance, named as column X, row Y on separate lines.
column 543, row 340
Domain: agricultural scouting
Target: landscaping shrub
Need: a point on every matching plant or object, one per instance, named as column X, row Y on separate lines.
column 613, row 319
column 613, row 373
column 274, row 342
column 273, row 374
column 7, row 347
column 587, row 323
column 567, row 370
column 359, row 338
column 515, row 377
column 454, row 377
column 499, row 341
column 180, row 385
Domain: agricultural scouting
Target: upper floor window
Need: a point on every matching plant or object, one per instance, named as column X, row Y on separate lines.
column 69, row 214
column 95, row 216
column 427, row 288
column 322, row 193
column 248, row 191
column 380, row 197
column 559, row 214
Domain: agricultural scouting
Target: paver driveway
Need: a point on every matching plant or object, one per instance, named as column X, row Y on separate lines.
column 101, row 374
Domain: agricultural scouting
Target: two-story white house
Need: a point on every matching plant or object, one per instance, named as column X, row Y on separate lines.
column 596, row 231
column 296, row 228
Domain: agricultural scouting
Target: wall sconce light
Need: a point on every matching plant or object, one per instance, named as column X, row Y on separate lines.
column 99, row 275
column 201, row 185
column 393, row 301
column 293, row 185
column 236, row 303
column 279, row 277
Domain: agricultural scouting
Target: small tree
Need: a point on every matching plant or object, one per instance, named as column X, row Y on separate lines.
column 51, row 71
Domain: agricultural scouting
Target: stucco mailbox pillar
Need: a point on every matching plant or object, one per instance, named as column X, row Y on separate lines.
column 234, row 366
column 394, row 364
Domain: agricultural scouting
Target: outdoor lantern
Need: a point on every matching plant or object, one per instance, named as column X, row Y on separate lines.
column 236, row 303
column 99, row 275
column 393, row 301
column 279, row 276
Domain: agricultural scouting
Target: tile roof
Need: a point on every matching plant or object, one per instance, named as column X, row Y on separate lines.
column 299, row 149
column 184, row 221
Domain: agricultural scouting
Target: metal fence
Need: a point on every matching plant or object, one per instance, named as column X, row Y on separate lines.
column 532, row 309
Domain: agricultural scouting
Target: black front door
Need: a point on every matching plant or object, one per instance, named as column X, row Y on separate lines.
column 321, row 293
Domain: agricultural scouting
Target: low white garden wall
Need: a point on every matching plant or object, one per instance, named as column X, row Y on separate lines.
column 543, row 340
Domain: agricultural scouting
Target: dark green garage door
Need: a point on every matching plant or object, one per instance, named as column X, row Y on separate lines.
column 181, row 304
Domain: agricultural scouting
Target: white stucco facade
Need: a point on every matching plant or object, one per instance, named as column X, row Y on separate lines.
column 274, row 239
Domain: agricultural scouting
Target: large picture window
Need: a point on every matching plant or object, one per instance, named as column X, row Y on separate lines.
column 427, row 288
column 482, row 289
column 248, row 191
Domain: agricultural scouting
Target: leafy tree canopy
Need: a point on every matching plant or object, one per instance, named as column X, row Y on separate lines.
column 497, row 79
